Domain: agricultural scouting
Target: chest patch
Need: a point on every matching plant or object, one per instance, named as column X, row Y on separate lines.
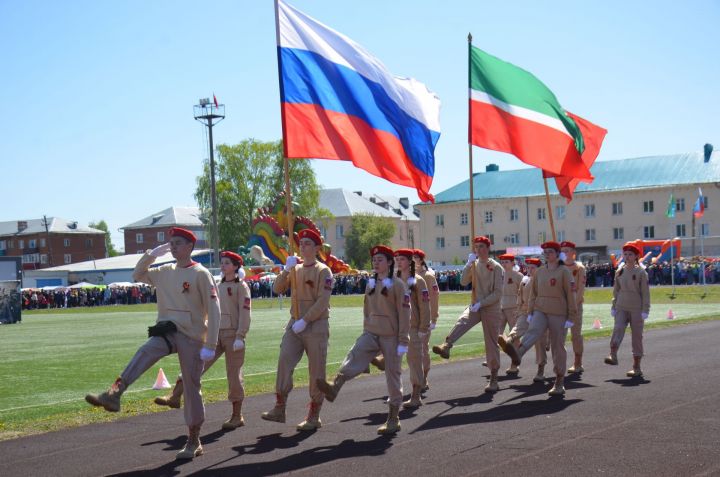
column 553, row 282
column 229, row 290
column 406, row 300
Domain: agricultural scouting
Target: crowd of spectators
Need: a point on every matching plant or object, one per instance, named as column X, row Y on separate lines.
column 61, row 297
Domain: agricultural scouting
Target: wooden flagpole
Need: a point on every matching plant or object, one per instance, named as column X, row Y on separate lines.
column 547, row 199
column 470, row 163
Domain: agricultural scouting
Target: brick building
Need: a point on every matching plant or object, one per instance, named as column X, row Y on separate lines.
column 153, row 230
column 43, row 243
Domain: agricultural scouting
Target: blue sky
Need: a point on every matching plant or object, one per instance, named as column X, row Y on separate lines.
column 98, row 96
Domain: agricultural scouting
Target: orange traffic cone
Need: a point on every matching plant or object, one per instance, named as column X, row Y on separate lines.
column 670, row 314
column 596, row 324
column 161, row 382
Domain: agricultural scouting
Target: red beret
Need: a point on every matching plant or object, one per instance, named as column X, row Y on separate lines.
column 551, row 244
column 405, row 252
column 533, row 261
column 482, row 239
column 631, row 247
column 232, row 256
column 419, row 253
column 506, row 256
column 184, row 233
column 567, row 244
column 310, row 234
column 387, row 251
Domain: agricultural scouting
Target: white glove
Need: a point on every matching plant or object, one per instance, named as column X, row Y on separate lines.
column 423, row 334
column 475, row 307
column 563, row 256
column 471, row 258
column 291, row 261
column 401, row 349
column 529, row 318
column 160, row 250
column 644, row 316
column 238, row 344
column 432, row 326
column 613, row 312
column 568, row 324
column 207, row 354
column 299, row 326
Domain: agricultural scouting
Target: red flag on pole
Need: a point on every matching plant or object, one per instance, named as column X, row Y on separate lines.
column 215, row 100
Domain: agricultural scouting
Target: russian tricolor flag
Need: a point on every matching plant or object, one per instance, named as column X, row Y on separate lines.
column 340, row 102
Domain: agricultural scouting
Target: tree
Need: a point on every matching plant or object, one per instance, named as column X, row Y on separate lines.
column 109, row 247
column 366, row 231
column 249, row 175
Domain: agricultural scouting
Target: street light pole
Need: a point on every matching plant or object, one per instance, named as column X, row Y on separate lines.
column 211, row 113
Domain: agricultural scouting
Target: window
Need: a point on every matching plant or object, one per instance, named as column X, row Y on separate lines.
column 140, row 252
column 339, row 231
column 440, row 220
column 11, row 244
column 492, row 238
column 589, row 210
column 66, row 242
column 561, row 235
column 618, row 233
column 705, row 201
column 31, row 258
column 542, row 238
column 21, row 244
column 43, row 259
column 617, row 208
column 648, row 206
column 400, row 229
column 680, row 230
column 680, row 205
column 465, row 241
column 704, row 230
column 541, row 213
column 649, row 231
column 67, row 258
column 488, row 216
column 463, row 218
column 32, row 243
column 91, row 257
column 439, row 242
column 3, row 245
column 514, row 216
column 88, row 243
column 515, row 239
column 161, row 236
column 589, row 235
column 560, row 211
column 139, row 238
column 42, row 242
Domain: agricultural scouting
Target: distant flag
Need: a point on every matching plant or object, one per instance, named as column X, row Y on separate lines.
column 339, row 102
column 699, row 208
column 671, row 207
column 215, row 100
column 512, row 111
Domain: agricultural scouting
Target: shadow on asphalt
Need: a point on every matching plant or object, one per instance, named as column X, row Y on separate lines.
column 629, row 381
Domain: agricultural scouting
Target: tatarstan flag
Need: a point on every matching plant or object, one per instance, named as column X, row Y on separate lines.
column 512, row 111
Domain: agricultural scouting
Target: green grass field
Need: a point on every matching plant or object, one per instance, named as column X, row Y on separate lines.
column 53, row 358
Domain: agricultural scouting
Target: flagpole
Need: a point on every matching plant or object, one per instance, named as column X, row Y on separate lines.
column 470, row 158
column 547, row 199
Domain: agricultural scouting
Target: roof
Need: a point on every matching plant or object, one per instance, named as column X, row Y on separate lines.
column 624, row 174
column 120, row 262
column 344, row 203
column 55, row 225
column 187, row 216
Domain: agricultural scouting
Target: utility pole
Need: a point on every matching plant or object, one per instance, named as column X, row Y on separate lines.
column 211, row 113
column 49, row 242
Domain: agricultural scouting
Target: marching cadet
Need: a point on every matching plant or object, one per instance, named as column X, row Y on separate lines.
column 429, row 276
column 486, row 276
column 386, row 328
column 630, row 305
column 578, row 272
column 307, row 331
column 551, row 306
column 522, row 325
column 187, row 324
column 419, row 321
column 509, row 298
column 235, row 306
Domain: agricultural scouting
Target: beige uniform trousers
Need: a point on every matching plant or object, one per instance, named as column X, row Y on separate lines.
column 314, row 341
column 191, row 366
column 367, row 346
column 234, row 361
column 426, row 354
column 519, row 330
column 634, row 319
column 556, row 325
column 509, row 318
column 576, row 332
column 415, row 358
column 490, row 324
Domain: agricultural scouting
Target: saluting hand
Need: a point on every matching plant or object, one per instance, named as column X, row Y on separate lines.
column 160, row 250
column 291, row 261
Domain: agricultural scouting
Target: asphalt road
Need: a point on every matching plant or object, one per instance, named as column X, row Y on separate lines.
column 667, row 424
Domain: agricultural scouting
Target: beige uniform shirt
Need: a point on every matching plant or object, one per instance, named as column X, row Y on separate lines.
column 235, row 304
column 523, row 295
column 631, row 291
column 311, row 291
column 578, row 273
column 511, row 285
column 419, row 305
column 552, row 293
column 434, row 289
column 185, row 296
column 388, row 314
column 487, row 285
